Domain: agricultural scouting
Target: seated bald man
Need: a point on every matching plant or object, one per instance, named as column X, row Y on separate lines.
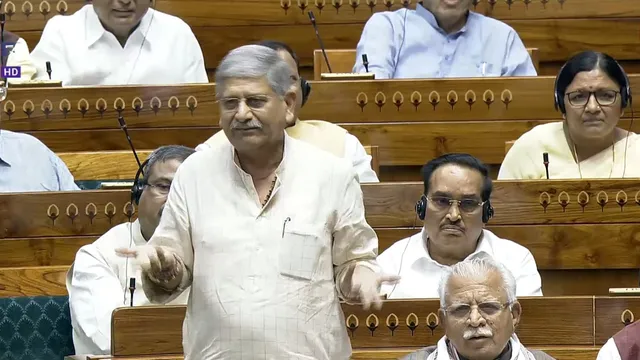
column 480, row 312
column 98, row 280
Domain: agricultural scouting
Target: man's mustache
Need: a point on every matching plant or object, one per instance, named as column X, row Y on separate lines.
column 254, row 124
column 479, row 332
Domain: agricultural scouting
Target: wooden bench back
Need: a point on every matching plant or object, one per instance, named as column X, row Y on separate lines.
column 546, row 322
column 342, row 61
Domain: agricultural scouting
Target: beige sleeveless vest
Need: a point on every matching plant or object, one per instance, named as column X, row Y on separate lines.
column 322, row 134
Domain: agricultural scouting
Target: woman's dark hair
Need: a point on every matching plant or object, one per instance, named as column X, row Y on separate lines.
column 588, row 61
column 464, row 160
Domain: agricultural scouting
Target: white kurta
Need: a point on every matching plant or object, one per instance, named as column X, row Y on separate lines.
column 420, row 274
column 98, row 283
column 609, row 351
column 263, row 282
column 161, row 50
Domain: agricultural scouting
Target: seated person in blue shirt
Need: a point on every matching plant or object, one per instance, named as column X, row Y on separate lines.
column 26, row 165
column 441, row 38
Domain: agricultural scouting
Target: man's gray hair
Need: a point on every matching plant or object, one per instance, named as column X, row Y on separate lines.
column 254, row 62
column 166, row 153
column 478, row 269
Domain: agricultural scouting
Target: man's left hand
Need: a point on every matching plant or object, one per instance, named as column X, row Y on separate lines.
column 366, row 283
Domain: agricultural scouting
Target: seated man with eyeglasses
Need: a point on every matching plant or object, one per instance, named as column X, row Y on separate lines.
column 454, row 209
column 592, row 90
column 480, row 312
column 98, row 280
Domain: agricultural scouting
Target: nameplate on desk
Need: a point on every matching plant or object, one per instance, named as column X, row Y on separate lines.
column 347, row 76
column 624, row 291
column 36, row 84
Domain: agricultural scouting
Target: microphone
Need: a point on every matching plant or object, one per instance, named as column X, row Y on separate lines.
column 49, row 69
column 315, row 27
column 545, row 160
column 132, row 288
column 365, row 62
column 123, row 126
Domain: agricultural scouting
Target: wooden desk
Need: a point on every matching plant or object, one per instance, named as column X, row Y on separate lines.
column 564, row 327
column 410, row 121
column 563, row 224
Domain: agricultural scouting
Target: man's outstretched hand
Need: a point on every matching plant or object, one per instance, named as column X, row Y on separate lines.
column 159, row 263
column 366, row 283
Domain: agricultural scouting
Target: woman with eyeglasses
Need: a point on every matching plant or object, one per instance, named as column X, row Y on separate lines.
column 592, row 92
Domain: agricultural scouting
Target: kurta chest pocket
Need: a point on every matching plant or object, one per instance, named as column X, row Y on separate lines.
column 300, row 250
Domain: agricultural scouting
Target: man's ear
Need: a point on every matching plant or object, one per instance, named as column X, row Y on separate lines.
column 290, row 99
column 442, row 316
column 516, row 312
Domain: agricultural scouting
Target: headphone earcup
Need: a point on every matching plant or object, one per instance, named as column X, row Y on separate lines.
column 306, row 90
column 136, row 193
column 487, row 212
column 421, row 207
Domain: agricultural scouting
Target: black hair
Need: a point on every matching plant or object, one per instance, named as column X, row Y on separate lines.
column 166, row 153
column 277, row 46
column 588, row 61
column 464, row 160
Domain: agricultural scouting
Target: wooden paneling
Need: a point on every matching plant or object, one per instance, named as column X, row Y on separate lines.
column 545, row 322
column 612, row 314
column 41, row 251
column 72, row 213
column 33, row 281
column 128, row 324
column 103, row 165
column 587, row 281
column 524, row 202
column 410, row 121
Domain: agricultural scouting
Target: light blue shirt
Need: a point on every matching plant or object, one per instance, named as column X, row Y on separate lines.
column 26, row 164
column 410, row 44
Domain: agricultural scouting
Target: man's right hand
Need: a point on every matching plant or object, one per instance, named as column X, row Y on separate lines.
column 159, row 263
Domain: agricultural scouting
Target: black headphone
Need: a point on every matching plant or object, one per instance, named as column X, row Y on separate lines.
column 625, row 90
column 138, row 185
column 306, row 90
column 421, row 209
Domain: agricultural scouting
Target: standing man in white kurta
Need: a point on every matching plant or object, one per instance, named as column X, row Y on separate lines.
column 116, row 42
column 269, row 231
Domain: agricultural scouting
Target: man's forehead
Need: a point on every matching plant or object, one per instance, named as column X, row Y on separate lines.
column 489, row 287
column 452, row 178
column 246, row 87
column 164, row 169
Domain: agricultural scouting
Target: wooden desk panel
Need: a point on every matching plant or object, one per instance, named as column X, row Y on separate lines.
column 612, row 314
column 544, row 323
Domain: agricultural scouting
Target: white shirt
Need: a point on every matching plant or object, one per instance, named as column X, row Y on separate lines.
column 265, row 281
column 421, row 274
column 162, row 50
column 361, row 161
column 609, row 351
column 98, row 283
column 19, row 56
